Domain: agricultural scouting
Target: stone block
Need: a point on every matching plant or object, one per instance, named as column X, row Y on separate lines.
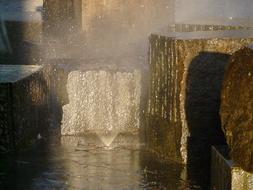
column 23, row 107
column 237, row 107
column 184, row 97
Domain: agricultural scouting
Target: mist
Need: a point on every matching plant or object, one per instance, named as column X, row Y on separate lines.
column 221, row 12
column 116, row 28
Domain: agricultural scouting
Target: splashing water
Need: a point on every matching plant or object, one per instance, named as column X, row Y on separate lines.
column 108, row 137
column 102, row 102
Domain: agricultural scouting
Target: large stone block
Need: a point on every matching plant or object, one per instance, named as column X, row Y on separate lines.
column 184, row 97
column 23, row 107
column 237, row 107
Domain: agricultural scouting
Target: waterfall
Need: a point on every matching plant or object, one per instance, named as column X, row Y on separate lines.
column 103, row 102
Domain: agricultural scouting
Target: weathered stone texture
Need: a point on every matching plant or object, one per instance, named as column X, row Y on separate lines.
column 186, row 76
column 237, row 107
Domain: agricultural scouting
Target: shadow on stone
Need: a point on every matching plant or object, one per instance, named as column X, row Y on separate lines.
column 203, row 88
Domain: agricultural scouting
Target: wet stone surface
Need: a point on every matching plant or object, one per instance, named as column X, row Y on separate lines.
column 86, row 164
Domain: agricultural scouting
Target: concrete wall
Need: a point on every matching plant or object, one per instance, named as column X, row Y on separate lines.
column 211, row 11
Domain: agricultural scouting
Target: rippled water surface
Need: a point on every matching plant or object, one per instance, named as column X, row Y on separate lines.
column 84, row 163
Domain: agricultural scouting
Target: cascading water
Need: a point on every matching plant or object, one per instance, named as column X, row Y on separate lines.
column 104, row 102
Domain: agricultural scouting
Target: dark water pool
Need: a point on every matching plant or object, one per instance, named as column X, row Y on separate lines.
column 81, row 164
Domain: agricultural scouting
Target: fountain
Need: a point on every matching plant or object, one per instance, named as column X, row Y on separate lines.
column 102, row 101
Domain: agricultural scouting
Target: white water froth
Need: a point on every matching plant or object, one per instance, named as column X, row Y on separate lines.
column 102, row 102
